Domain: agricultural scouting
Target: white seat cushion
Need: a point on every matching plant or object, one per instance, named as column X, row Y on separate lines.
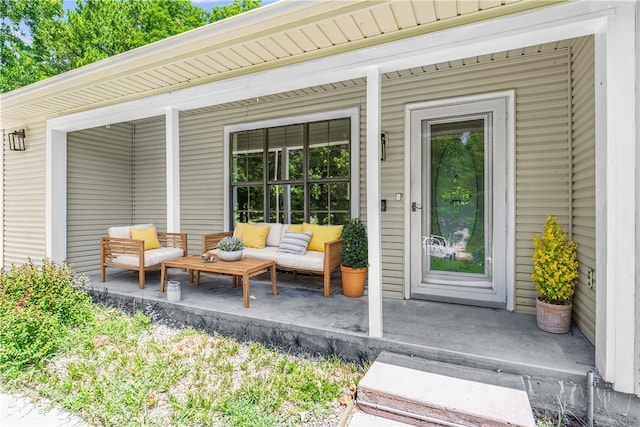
column 312, row 260
column 151, row 257
column 269, row 252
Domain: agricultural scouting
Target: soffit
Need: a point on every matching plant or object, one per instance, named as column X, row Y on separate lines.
column 433, row 68
column 279, row 34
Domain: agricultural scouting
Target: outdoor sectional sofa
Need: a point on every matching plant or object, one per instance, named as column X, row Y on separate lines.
column 266, row 241
column 140, row 248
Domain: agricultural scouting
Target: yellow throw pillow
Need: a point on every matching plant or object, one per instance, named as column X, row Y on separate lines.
column 255, row 235
column 239, row 231
column 149, row 235
column 321, row 235
column 296, row 228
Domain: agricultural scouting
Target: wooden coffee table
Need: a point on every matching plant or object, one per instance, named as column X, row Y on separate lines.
column 245, row 268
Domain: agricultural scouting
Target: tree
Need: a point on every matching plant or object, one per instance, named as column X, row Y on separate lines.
column 38, row 41
column 20, row 63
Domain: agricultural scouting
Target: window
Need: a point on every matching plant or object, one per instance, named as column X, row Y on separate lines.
column 292, row 173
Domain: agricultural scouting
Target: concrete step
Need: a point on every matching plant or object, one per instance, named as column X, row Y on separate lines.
column 363, row 419
column 427, row 393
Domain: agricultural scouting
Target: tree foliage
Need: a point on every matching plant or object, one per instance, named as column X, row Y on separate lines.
column 38, row 40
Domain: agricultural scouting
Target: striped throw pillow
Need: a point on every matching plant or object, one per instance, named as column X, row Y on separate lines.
column 295, row 243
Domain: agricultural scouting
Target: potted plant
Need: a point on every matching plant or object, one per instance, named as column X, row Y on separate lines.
column 230, row 249
column 555, row 273
column 355, row 258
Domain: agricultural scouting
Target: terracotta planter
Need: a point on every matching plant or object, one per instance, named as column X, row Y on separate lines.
column 552, row 317
column 353, row 280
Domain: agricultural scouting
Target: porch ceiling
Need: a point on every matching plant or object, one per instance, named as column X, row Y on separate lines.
column 279, row 34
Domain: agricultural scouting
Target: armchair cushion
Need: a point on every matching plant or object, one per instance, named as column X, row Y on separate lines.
column 123, row 232
column 149, row 235
column 151, row 257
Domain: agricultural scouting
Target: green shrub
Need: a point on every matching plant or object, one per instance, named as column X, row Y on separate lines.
column 38, row 303
column 27, row 335
column 555, row 264
column 355, row 246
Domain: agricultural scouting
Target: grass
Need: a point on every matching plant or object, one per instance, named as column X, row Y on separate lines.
column 128, row 371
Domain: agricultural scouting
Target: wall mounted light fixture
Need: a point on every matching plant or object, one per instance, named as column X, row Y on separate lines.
column 16, row 140
column 384, row 138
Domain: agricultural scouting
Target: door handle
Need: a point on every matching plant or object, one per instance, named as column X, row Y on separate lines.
column 415, row 206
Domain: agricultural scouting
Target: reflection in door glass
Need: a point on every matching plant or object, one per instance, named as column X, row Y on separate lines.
column 456, row 239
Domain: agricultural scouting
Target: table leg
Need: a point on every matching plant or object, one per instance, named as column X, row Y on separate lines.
column 245, row 289
column 163, row 276
column 197, row 277
column 274, row 283
column 191, row 275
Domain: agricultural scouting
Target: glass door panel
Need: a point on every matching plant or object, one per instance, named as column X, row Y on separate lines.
column 455, row 238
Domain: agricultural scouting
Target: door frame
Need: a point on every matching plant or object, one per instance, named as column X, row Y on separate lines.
column 509, row 175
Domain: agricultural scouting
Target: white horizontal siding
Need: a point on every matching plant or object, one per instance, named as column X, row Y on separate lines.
column 149, row 180
column 23, row 218
column 99, row 190
column 584, row 181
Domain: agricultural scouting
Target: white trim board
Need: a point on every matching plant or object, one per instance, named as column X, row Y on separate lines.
column 508, row 210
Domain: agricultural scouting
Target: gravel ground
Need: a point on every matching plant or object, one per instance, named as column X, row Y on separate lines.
column 21, row 411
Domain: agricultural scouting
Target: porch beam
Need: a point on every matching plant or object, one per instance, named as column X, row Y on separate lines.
column 617, row 199
column 373, row 201
column 172, row 129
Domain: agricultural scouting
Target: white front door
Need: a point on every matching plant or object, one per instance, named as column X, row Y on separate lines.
column 459, row 195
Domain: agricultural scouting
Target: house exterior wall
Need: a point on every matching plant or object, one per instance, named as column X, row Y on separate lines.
column 99, row 190
column 23, row 216
column 541, row 82
column 149, row 181
column 584, row 181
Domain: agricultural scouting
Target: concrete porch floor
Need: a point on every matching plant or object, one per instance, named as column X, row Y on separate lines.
column 554, row 366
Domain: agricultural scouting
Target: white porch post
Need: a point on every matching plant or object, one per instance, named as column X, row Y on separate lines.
column 637, row 114
column 56, row 195
column 172, row 128
column 373, row 202
column 617, row 199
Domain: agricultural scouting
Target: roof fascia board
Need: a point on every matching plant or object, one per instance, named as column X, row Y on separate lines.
column 559, row 22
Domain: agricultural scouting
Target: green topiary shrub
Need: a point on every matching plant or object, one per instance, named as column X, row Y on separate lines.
column 355, row 246
column 555, row 264
column 38, row 304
